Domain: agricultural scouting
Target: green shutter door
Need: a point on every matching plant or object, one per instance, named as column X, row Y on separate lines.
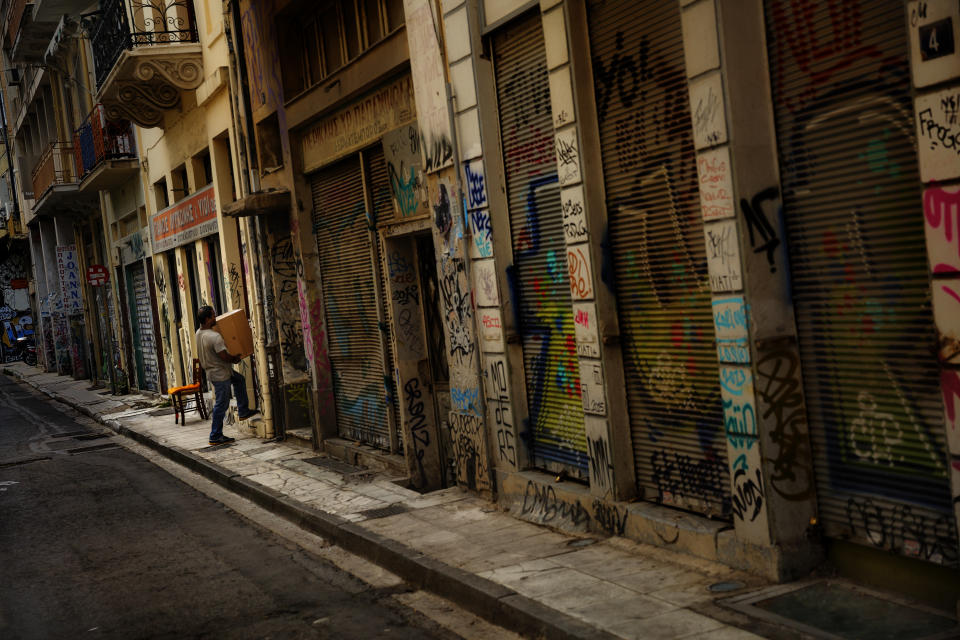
column 852, row 209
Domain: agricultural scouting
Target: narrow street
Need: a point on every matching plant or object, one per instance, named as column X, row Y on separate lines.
column 96, row 541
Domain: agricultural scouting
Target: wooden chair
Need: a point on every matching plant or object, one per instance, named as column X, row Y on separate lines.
column 180, row 395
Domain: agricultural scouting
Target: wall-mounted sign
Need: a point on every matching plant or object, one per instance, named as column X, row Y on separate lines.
column 190, row 219
column 934, row 32
column 359, row 124
column 69, row 272
column 97, row 275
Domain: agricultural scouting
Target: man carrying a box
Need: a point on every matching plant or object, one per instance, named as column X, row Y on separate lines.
column 213, row 356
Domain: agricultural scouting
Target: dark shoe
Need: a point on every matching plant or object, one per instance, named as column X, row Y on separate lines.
column 222, row 440
column 249, row 414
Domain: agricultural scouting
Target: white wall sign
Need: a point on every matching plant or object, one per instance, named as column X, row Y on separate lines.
column 707, row 111
column 723, row 256
column 730, row 325
column 591, row 387
column 938, row 134
column 934, row 40
column 585, row 328
column 716, row 184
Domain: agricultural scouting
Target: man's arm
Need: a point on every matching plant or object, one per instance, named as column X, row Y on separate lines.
column 220, row 348
column 226, row 357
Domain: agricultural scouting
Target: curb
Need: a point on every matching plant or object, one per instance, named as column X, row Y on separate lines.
column 494, row 602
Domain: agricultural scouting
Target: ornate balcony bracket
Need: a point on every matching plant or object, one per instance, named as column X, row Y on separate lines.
column 145, row 83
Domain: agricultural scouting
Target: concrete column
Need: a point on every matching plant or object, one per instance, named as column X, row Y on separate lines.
column 491, row 255
column 442, row 151
column 59, row 334
column 932, row 26
column 43, row 322
column 768, row 448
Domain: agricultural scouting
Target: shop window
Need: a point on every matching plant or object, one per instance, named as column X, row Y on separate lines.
column 161, row 194
column 202, row 168
column 351, row 25
column 268, row 144
column 394, row 10
column 179, row 184
column 372, row 18
column 330, row 41
column 222, row 149
column 325, row 36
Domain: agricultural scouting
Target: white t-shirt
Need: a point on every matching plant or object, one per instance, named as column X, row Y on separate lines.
column 209, row 344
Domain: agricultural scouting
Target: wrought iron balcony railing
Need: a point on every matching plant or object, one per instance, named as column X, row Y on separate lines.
column 128, row 24
column 99, row 139
column 57, row 166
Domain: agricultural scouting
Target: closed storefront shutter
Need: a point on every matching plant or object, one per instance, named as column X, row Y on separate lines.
column 147, row 344
column 659, row 259
column 539, row 251
column 349, row 282
column 852, row 209
column 382, row 198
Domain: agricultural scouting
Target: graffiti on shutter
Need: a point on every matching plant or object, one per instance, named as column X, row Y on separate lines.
column 342, row 224
column 145, row 323
column 658, row 262
column 853, row 214
column 539, row 277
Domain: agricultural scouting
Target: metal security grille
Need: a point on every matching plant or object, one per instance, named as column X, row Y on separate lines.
column 539, row 251
column 852, row 208
column 659, row 259
column 146, row 344
column 343, row 226
column 379, row 180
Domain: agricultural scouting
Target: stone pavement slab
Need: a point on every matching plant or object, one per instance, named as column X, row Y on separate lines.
column 510, row 571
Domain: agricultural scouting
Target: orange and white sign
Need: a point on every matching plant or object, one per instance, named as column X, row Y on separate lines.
column 190, row 219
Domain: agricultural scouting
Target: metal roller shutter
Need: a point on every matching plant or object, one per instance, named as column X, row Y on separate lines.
column 343, row 224
column 852, row 208
column 382, row 198
column 147, row 345
column 660, row 265
column 539, row 250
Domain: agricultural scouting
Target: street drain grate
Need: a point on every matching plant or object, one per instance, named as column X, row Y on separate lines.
column 17, row 463
column 726, row 587
column 96, row 447
column 841, row 611
column 384, row 512
column 91, row 436
column 334, row 465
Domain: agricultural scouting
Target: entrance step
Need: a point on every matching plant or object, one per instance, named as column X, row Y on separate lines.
column 300, row 437
column 362, row 455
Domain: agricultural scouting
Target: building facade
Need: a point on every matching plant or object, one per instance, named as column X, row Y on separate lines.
column 684, row 272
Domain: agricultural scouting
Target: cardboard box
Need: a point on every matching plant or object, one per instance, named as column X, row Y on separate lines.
column 235, row 329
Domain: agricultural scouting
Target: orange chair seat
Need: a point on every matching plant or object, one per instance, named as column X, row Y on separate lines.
column 184, row 389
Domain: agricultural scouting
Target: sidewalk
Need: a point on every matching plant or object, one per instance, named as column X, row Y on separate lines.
column 522, row 576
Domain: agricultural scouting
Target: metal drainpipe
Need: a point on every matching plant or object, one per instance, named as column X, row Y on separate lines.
column 238, row 106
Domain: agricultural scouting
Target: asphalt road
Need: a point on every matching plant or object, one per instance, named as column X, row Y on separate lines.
column 95, row 541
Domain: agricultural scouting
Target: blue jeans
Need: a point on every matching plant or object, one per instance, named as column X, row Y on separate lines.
column 221, row 392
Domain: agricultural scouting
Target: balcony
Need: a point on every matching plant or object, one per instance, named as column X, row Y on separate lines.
column 145, row 53
column 54, row 177
column 105, row 151
column 27, row 37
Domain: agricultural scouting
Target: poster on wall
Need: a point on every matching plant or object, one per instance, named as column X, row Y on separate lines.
column 70, row 282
